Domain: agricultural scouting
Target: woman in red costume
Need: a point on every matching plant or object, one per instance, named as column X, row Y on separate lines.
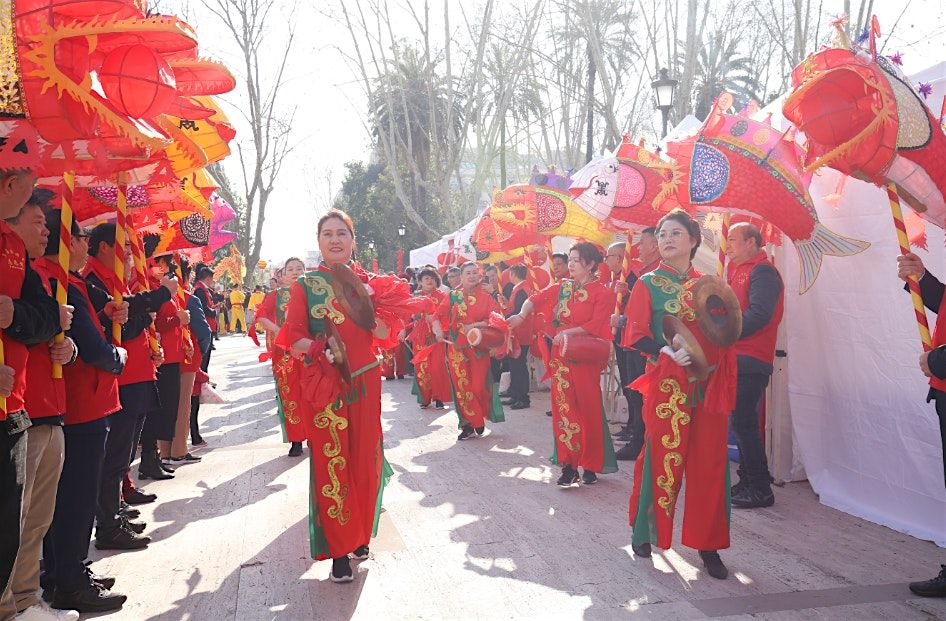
column 342, row 419
column 271, row 314
column 475, row 395
column 431, row 381
column 579, row 306
column 685, row 418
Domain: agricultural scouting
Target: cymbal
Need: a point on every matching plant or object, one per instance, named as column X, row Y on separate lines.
column 352, row 297
column 717, row 310
column 337, row 346
column 698, row 366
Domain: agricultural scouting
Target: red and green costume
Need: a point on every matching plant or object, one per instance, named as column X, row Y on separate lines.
column 431, row 380
column 274, row 307
column 474, row 394
column 579, row 425
column 686, row 421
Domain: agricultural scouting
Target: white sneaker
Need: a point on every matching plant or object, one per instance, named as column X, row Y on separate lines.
column 42, row 612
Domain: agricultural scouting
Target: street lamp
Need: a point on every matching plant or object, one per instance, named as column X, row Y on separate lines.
column 664, row 89
column 401, row 230
column 371, row 245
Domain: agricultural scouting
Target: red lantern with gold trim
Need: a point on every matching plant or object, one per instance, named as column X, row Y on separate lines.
column 138, row 81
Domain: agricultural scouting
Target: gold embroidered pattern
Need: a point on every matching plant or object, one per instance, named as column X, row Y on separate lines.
column 680, row 303
column 335, row 491
column 461, row 381
column 320, row 287
column 11, row 96
column 678, row 416
column 568, row 428
column 282, row 379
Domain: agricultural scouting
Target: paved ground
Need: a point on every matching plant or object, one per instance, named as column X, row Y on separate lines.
column 478, row 530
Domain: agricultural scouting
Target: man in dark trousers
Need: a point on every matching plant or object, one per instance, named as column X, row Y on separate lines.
column 518, row 366
column 630, row 362
column 933, row 366
column 91, row 396
column 137, row 392
column 758, row 286
column 28, row 316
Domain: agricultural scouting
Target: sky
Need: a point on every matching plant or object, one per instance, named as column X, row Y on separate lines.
column 329, row 126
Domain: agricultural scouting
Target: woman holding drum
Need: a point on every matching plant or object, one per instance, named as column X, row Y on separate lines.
column 686, row 325
column 466, row 313
column 431, row 382
column 580, row 309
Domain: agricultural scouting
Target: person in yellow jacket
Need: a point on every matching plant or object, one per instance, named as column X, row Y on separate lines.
column 237, row 311
column 255, row 298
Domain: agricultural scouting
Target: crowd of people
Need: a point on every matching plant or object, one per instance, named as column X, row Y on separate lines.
column 113, row 375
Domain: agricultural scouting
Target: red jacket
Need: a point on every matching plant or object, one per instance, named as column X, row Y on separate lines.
column 169, row 327
column 45, row 396
column 12, row 275
column 760, row 344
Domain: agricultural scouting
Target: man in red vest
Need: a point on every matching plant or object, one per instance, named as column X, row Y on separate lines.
column 933, row 366
column 758, row 286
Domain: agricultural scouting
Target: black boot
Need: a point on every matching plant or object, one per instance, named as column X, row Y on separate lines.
column 753, row 493
column 341, row 570
column 641, row 549
column 295, row 450
column 150, row 467
column 714, row 564
column 935, row 587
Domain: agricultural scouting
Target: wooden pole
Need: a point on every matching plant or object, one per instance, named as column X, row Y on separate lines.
column 121, row 224
column 65, row 239
column 723, row 245
column 921, row 322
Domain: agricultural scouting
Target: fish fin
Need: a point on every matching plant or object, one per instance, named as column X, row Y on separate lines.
column 823, row 242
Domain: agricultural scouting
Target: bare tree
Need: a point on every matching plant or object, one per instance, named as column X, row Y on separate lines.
column 250, row 23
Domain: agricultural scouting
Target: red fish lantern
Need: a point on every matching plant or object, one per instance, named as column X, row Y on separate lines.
column 137, row 81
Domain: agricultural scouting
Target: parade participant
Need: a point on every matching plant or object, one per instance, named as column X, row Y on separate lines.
column 222, row 303
column 45, row 399
column 686, row 417
column 203, row 292
column 518, row 395
column 492, row 285
column 343, row 417
column 933, row 366
column 200, row 339
column 255, row 298
column 431, row 381
column 271, row 314
column 91, row 396
column 136, row 385
column 475, row 395
column 758, row 286
column 630, row 362
column 453, row 278
column 169, row 323
column 559, row 266
column 237, row 311
column 579, row 306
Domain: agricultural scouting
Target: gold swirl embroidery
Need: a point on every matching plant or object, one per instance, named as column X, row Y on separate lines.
column 568, row 428
column 282, row 380
column 335, row 491
column 421, row 373
column 461, row 381
column 319, row 286
column 680, row 304
column 678, row 416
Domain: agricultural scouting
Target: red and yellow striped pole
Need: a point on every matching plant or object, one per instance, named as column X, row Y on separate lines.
column 121, row 224
column 65, row 241
column 723, row 245
column 138, row 254
column 921, row 322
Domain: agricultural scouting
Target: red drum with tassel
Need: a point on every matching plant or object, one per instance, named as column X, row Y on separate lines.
column 585, row 349
column 485, row 339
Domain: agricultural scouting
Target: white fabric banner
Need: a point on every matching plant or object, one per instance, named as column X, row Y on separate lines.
column 869, row 441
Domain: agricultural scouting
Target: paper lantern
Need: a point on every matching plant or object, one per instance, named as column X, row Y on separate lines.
column 137, row 81
column 262, row 264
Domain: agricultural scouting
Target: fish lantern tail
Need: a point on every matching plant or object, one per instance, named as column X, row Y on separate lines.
column 823, row 241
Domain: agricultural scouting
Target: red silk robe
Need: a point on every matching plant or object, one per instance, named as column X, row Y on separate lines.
column 475, row 396
column 582, row 438
column 431, row 377
column 274, row 307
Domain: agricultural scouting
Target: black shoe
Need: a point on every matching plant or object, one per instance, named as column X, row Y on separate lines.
column 504, row 394
column 89, row 599
column 641, row 549
column 360, row 553
column 186, row 459
column 628, row 452
column 569, row 476
column 153, row 472
column 120, row 539
column 589, row 478
column 753, row 498
column 509, row 401
column 520, row 405
column 714, row 564
column 480, row 431
column 438, row 405
column 295, row 450
column 466, row 433
column 935, row 587
column 128, row 512
column 341, row 570
column 548, row 412
column 135, row 527
column 166, row 465
column 103, row 582
column 138, row 497
column 738, row 487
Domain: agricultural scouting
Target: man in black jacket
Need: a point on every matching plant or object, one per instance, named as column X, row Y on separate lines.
column 933, row 366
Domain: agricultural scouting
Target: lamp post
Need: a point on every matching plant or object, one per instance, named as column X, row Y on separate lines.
column 399, row 255
column 664, row 89
column 402, row 230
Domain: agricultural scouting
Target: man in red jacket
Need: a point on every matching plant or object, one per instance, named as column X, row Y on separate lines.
column 758, row 286
column 91, row 396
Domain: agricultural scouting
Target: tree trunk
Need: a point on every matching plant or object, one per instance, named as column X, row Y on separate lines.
column 685, row 88
column 502, row 154
column 590, row 132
